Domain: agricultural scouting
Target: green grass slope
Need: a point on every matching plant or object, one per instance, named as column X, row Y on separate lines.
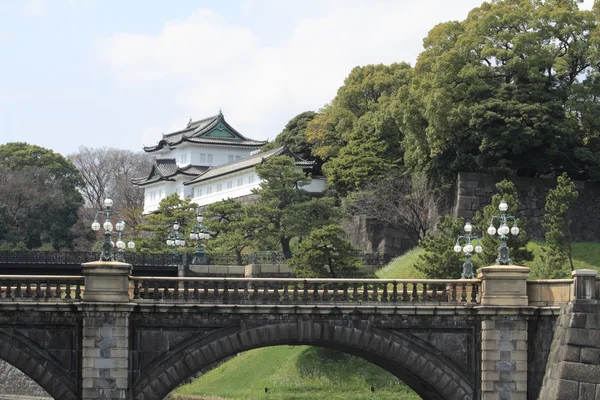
column 403, row 267
column 586, row 255
column 295, row 373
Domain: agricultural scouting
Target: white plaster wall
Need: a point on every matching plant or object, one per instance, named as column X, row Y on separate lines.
column 192, row 154
column 249, row 180
column 153, row 194
column 316, row 186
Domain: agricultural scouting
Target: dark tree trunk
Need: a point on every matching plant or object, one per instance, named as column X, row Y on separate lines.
column 285, row 247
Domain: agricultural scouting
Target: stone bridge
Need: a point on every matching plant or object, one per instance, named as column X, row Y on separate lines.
column 110, row 335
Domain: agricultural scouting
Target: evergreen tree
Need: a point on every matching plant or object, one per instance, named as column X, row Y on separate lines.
column 232, row 230
column 152, row 235
column 439, row 260
column 287, row 209
column 39, row 196
column 558, row 229
column 294, row 136
column 325, row 254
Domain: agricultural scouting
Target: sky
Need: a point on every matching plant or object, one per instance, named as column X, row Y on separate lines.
column 113, row 73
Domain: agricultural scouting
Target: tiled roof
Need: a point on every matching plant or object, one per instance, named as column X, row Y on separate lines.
column 195, row 132
column 246, row 163
column 165, row 169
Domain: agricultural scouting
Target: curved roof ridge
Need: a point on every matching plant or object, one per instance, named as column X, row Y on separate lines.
column 196, row 132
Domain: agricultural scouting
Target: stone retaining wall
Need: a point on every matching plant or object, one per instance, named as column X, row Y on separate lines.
column 474, row 191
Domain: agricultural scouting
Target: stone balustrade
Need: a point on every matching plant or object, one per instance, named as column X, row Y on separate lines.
column 293, row 290
column 40, row 287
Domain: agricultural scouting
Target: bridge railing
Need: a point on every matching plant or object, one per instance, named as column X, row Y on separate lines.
column 41, row 288
column 305, row 291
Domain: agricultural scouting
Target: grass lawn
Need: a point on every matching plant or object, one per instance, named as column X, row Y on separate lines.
column 295, row 372
column 403, row 267
column 586, row 255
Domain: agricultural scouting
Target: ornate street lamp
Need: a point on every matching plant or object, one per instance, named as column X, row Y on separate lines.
column 199, row 233
column 175, row 240
column 468, row 250
column 503, row 231
column 107, row 253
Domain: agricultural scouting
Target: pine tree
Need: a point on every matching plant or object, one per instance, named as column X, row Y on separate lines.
column 558, row 224
column 440, row 261
column 325, row 254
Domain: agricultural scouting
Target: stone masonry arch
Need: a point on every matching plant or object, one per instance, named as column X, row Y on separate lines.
column 432, row 376
column 38, row 364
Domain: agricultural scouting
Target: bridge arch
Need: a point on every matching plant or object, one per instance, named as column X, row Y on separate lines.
column 430, row 375
column 37, row 364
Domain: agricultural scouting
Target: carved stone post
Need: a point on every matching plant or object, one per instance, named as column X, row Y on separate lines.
column 584, row 285
column 504, row 309
column 106, row 309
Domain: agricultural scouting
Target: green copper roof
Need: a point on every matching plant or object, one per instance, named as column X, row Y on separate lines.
column 211, row 131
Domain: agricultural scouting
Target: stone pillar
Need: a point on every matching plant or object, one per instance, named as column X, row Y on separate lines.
column 573, row 368
column 106, row 309
column 584, row 285
column 503, row 310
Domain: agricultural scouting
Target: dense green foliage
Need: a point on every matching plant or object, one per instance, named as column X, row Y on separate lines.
column 151, row 236
column 357, row 134
column 325, row 254
column 40, row 197
column 287, row 211
column 296, row 373
column 558, row 229
column 294, row 136
column 231, row 228
column 512, row 89
column 439, row 261
column 502, row 91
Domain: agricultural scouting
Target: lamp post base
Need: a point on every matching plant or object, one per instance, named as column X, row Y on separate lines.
column 503, row 258
column 467, row 270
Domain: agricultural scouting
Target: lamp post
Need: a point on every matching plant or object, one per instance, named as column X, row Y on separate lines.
column 503, row 231
column 175, row 239
column 468, row 250
column 107, row 253
column 199, row 233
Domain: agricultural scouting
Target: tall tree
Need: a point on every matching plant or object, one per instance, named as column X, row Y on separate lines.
column 40, row 196
column 289, row 211
column 294, row 136
column 357, row 135
column 492, row 93
column 558, row 223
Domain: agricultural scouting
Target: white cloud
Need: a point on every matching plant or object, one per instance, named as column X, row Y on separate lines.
column 209, row 63
column 34, row 8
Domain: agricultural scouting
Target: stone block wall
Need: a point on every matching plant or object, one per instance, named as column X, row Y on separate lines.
column 16, row 383
column 376, row 237
column 573, row 368
column 473, row 191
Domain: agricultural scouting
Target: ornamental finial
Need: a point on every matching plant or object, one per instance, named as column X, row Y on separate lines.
column 189, row 122
column 220, row 112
